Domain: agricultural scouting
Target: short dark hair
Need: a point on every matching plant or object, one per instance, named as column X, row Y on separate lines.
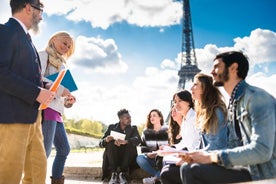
column 17, row 5
column 231, row 57
column 122, row 112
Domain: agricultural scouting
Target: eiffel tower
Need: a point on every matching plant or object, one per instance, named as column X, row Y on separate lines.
column 188, row 67
column 188, row 57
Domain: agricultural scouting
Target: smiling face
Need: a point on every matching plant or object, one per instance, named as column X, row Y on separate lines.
column 197, row 90
column 62, row 44
column 181, row 106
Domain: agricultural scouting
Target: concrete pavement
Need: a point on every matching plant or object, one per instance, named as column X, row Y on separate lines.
column 85, row 167
column 78, row 160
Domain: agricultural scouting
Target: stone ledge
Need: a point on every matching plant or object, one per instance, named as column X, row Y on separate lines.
column 95, row 173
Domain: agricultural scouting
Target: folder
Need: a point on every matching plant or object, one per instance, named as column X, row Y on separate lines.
column 54, row 86
column 67, row 81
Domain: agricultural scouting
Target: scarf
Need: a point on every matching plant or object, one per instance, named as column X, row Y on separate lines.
column 54, row 58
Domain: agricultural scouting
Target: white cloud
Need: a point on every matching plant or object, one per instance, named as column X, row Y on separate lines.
column 155, row 87
column 103, row 13
column 98, row 55
column 260, row 46
column 153, row 90
column 5, row 11
column 263, row 81
column 166, row 63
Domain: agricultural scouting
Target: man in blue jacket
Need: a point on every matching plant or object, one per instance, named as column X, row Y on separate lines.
column 251, row 152
column 21, row 92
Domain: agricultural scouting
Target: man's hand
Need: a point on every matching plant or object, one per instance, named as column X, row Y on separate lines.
column 109, row 138
column 120, row 142
column 45, row 96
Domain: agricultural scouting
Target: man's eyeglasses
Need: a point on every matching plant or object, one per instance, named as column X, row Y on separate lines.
column 39, row 7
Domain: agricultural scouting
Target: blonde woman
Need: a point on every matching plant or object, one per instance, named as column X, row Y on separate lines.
column 211, row 112
column 53, row 59
column 211, row 119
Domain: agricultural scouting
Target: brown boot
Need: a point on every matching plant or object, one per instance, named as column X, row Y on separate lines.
column 57, row 181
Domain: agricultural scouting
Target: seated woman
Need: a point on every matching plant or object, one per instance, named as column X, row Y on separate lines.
column 211, row 119
column 183, row 103
column 174, row 134
column 154, row 136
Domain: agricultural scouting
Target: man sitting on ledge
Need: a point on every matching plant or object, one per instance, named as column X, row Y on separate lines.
column 252, row 121
column 120, row 153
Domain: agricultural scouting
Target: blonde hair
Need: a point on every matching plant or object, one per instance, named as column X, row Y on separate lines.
column 62, row 34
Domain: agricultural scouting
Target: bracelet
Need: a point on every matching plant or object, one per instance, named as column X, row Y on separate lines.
column 214, row 157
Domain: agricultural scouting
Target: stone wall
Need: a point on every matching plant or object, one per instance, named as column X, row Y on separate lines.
column 78, row 141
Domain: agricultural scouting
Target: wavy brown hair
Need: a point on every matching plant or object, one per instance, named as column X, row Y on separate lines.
column 149, row 124
column 211, row 99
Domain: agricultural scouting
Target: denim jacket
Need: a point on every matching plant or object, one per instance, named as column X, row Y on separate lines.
column 255, row 111
column 218, row 140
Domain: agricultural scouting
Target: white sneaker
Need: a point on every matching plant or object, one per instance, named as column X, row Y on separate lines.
column 150, row 180
column 113, row 179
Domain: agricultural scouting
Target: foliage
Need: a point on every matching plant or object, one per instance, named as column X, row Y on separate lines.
column 85, row 127
column 141, row 128
column 90, row 128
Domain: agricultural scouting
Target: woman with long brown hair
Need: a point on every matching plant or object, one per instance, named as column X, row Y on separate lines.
column 211, row 112
column 153, row 137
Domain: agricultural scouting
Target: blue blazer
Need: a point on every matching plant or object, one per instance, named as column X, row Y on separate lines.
column 20, row 76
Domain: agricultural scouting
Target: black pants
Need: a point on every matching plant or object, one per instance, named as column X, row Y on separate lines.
column 211, row 174
column 170, row 174
column 118, row 156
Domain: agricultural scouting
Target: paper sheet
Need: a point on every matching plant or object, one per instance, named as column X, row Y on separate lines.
column 117, row 135
column 167, row 150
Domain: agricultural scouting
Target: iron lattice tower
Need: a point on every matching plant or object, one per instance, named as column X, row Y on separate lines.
column 188, row 57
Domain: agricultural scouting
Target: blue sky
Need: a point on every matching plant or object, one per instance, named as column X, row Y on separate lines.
column 128, row 52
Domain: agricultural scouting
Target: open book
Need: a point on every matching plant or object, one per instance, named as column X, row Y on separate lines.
column 167, row 150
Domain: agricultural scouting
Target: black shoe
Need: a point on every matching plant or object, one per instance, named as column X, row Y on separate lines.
column 122, row 178
column 114, row 178
column 157, row 182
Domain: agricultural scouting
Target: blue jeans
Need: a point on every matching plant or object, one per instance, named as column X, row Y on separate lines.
column 148, row 164
column 54, row 132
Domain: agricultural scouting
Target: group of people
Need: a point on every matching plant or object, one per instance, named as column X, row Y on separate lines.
column 27, row 132
column 206, row 140
column 224, row 143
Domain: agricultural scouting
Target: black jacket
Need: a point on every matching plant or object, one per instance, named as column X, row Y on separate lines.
column 133, row 138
